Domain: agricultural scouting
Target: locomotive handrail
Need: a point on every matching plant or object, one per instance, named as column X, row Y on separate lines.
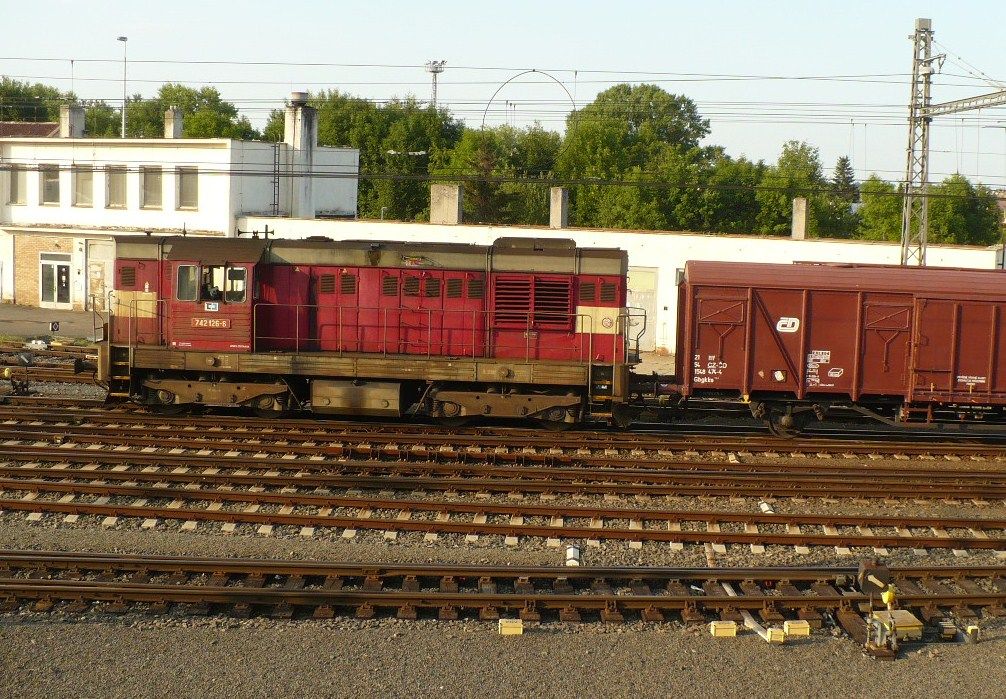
column 431, row 324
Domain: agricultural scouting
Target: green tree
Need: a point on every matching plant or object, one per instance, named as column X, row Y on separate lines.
column 880, row 211
column 400, row 143
column 22, row 101
column 844, row 180
column 631, row 134
column 962, row 213
column 728, row 203
column 798, row 173
column 489, row 160
column 205, row 114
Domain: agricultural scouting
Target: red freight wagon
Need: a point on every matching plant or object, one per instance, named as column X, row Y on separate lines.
column 901, row 342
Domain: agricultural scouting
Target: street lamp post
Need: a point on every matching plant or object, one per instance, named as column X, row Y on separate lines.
column 123, row 39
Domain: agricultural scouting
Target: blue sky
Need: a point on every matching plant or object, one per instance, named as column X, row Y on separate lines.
column 377, row 49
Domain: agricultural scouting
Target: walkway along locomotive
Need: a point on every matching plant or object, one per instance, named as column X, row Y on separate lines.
column 523, row 329
column 538, row 329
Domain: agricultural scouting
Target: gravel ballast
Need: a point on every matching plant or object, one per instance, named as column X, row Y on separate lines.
column 139, row 656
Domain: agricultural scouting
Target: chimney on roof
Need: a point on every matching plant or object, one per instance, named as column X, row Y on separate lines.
column 798, row 227
column 173, row 122
column 71, row 121
column 300, row 133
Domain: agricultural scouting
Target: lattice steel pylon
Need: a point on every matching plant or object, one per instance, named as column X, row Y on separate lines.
column 915, row 211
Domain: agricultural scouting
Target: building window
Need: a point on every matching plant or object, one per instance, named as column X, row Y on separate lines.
column 18, row 185
column 48, row 184
column 187, row 286
column 188, row 187
column 83, row 185
column 115, row 187
column 150, row 192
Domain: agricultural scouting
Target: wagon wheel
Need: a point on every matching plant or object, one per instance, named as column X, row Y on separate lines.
column 774, row 419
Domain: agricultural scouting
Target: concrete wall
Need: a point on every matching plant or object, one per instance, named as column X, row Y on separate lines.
column 666, row 252
column 335, row 193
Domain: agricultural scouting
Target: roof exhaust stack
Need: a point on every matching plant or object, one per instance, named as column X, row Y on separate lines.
column 71, row 121
column 300, row 133
column 173, row 122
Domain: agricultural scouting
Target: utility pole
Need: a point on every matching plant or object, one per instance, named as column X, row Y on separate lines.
column 915, row 213
column 435, row 68
column 123, row 39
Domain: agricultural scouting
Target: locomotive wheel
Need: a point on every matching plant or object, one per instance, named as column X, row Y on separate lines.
column 554, row 420
column 263, row 408
column 449, row 414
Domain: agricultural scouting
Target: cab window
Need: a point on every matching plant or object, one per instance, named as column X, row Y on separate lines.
column 186, row 286
column 236, row 284
column 212, row 284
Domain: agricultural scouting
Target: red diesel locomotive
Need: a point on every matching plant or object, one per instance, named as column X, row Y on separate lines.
column 524, row 328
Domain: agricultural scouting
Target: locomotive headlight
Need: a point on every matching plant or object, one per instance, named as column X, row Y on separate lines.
column 779, row 375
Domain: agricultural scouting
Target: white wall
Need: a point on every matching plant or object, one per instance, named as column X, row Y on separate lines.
column 335, row 192
column 665, row 250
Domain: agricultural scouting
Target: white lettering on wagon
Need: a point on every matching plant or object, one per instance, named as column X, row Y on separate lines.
column 971, row 380
column 710, row 371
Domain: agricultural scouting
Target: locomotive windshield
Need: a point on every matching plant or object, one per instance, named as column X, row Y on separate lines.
column 215, row 283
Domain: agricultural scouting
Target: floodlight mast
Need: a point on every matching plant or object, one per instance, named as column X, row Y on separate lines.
column 435, row 68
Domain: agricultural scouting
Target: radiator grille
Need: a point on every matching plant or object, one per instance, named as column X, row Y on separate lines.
column 588, row 291
column 389, row 286
column 326, row 284
column 410, row 286
column 347, row 283
column 432, row 288
column 453, row 288
column 127, row 276
column 608, row 291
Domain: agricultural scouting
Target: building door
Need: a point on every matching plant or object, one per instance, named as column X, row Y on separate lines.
column 642, row 294
column 54, row 280
column 100, row 267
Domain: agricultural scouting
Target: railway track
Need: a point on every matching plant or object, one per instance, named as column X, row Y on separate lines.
column 137, row 424
column 313, row 475
column 73, row 497
column 78, row 582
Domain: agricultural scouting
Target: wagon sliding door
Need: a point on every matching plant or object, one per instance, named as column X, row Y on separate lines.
column 956, row 354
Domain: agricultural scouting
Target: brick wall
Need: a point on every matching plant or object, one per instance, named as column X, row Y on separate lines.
column 27, row 248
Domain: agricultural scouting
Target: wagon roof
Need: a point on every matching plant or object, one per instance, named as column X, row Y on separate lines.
column 852, row 277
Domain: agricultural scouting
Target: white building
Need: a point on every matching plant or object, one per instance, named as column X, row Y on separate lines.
column 62, row 198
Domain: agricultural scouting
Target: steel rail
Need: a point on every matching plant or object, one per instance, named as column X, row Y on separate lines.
column 364, row 508
column 383, row 476
column 528, row 591
column 389, row 432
